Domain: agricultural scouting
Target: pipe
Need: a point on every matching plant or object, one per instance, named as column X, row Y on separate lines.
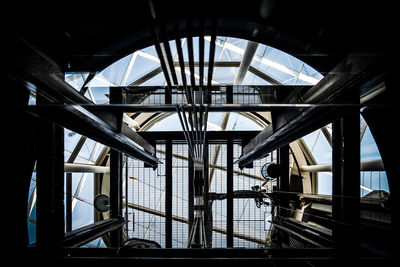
column 367, row 165
column 81, row 167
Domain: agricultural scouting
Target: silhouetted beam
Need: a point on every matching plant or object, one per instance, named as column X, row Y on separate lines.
column 211, row 55
column 36, row 68
column 85, row 123
column 215, row 107
column 287, row 127
column 181, row 63
column 201, row 52
column 159, row 46
column 88, row 233
column 167, row 50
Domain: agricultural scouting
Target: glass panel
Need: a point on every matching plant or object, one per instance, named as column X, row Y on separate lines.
column 83, row 214
column 325, row 183
column 101, row 94
column 236, row 122
column 159, row 79
column 97, row 243
column 70, row 140
column 76, row 79
column 225, row 75
column 87, row 192
column 141, row 67
column 371, row 180
column 116, row 71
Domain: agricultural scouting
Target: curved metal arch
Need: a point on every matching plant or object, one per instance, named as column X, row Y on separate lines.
column 146, row 125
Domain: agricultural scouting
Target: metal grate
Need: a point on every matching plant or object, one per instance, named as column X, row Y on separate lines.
column 241, row 94
column 217, row 157
column 146, row 200
column 249, row 221
column 180, row 180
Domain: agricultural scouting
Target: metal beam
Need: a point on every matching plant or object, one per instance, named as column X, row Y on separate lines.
column 100, row 126
column 346, row 180
column 327, row 135
column 78, row 119
column 181, row 63
column 131, row 108
column 116, row 194
column 229, row 190
column 84, row 235
column 80, row 167
column 211, row 59
column 351, row 72
column 146, row 77
column 50, row 185
column 248, row 55
column 367, row 165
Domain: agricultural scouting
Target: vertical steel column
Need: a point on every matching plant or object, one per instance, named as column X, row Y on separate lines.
column 190, row 191
column 346, row 179
column 115, row 194
column 126, row 194
column 229, row 187
column 116, row 97
column 50, row 185
column 229, row 94
column 283, row 181
column 168, row 193
column 20, row 147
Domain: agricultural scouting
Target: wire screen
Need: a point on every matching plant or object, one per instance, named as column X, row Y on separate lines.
column 146, row 200
column 249, row 222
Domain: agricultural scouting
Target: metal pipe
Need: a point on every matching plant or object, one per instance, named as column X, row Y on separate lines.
column 248, row 55
column 367, row 165
column 81, row 167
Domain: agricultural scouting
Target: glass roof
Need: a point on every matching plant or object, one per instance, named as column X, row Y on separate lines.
column 270, row 61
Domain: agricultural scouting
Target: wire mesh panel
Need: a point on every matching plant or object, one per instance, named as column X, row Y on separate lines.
column 217, row 177
column 180, row 207
column 244, row 94
column 250, row 229
column 146, row 200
